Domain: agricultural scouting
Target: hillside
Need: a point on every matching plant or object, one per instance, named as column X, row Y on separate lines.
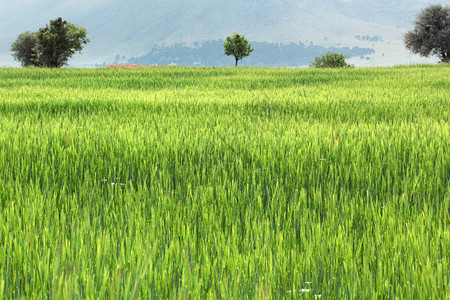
column 133, row 28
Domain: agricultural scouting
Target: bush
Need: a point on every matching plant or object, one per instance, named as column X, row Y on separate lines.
column 330, row 60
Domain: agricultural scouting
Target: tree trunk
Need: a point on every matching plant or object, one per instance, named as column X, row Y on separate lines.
column 236, row 61
column 445, row 57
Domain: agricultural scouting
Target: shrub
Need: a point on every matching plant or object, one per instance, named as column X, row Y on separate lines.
column 330, row 60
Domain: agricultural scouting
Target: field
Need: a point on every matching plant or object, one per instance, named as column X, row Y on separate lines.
column 229, row 183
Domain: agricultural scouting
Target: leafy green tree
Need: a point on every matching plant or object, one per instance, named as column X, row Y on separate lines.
column 59, row 41
column 237, row 46
column 330, row 60
column 431, row 33
column 51, row 46
column 23, row 49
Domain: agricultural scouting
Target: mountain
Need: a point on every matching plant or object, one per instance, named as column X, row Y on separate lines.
column 133, row 28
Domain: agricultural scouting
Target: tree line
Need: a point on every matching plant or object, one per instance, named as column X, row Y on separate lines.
column 54, row 44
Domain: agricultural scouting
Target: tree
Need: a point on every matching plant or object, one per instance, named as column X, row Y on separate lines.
column 330, row 60
column 51, row 46
column 237, row 46
column 431, row 34
column 24, row 49
column 59, row 41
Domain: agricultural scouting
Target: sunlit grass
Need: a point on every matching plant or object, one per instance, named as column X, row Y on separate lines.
column 225, row 183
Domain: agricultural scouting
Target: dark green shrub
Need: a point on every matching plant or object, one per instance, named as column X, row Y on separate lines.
column 330, row 60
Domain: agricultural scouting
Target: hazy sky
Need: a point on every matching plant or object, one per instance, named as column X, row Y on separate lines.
column 133, row 27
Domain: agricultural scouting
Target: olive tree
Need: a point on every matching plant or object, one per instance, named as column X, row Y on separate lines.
column 431, row 33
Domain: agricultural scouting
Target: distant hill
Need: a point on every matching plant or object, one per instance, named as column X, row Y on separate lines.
column 133, row 28
column 210, row 53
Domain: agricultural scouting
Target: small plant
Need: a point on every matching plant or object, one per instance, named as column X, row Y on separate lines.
column 330, row 60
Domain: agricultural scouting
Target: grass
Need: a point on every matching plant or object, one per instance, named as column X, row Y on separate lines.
column 225, row 183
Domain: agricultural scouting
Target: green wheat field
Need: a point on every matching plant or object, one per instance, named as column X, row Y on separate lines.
column 225, row 183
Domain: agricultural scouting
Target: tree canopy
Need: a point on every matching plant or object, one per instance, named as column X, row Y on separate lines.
column 431, row 33
column 24, row 48
column 237, row 46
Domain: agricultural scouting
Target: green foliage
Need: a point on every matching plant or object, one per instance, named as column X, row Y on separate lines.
column 51, row 46
column 237, row 46
column 225, row 183
column 431, row 33
column 23, row 49
column 330, row 60
column 59, row 41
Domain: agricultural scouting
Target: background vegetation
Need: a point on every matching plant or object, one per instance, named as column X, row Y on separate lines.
column 225, row 183
column 210, row 53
